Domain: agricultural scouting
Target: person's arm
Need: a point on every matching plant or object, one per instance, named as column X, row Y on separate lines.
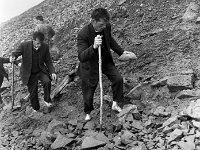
column 49, row 64
column 5, row 60
column 113, row 44
column 48, row 61
column 85, row 51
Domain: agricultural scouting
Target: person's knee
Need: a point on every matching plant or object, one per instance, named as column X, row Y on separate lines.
column 118, row 79
column 46, row 80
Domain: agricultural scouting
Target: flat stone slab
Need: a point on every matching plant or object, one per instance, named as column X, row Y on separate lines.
column 180, row 82
column 186, row 94
column 91, row 142
column 61, row 141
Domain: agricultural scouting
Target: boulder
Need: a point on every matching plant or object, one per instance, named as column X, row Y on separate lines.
column 53, row 124
column 180, row 82
column 61, row 141
column 191, row 12
column 175, row 135
column 92, row 143
column 193, row 110
column 186, row 94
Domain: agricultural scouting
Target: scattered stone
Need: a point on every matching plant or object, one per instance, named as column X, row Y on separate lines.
column 196, row 123
column 117, row 127
column 125, row 111
column 90, row 133
column 90, row 125
column 180, row 82
column 167, row 129
column 101, row 137
column 170, row 121
column 90, row 142
column 121, row 2
column 148, row 123
column 159, row 83
column 171, row 110
column 61, row 141
column 127, row 137
column 160, row 111
column 191, row 12
column 137, row 125
column 45, row 138
column 186, row 72
column 186, row 145
column 193, row 110
column 198, row 20
column 186, row 94
column 53, row 124
column 129, row 118
column 175, row 135
column 107, row 98
column 197, row 84
column 117, row 140
column 73, row 122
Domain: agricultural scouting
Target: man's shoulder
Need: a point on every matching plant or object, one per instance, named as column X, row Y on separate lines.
column 24, row 43
column 84, row 30
column 44, row 45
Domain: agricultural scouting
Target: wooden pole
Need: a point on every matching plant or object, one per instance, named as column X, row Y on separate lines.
column 12, row 85
column 101, row 87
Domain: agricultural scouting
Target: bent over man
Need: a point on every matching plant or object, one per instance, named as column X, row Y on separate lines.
column 3, row 73
column 36, row 65
column 97, row 33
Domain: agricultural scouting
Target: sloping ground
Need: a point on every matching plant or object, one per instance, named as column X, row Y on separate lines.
column 152, row 29
column 165, row 42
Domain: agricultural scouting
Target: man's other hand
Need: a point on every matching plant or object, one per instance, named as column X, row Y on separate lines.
column 127, row 56
column 53, row 76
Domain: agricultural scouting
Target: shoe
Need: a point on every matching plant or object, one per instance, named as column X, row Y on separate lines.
column 87, row 117
column 48, row 104
column 116, row 107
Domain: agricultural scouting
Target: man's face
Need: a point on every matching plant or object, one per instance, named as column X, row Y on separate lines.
column 37, row 43
column 99, row 25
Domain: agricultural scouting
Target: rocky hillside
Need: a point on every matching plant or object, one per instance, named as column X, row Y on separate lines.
column 160, row 32
column 166, row 77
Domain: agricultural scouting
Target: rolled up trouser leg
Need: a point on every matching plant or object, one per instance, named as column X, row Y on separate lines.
column 33, row 90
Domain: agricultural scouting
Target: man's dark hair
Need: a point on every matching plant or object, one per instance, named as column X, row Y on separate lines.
column 100, row 13
column 38, row 35
column 39, row 18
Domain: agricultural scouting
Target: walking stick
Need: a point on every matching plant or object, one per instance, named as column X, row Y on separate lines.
column 12, row 85
column 101, row 86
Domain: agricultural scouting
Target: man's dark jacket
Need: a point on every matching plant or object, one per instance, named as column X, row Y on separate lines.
column 45, row 62
column 2, row 70
column 88, row 67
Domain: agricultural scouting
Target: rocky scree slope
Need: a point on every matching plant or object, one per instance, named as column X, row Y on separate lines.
column 155, row 30
column 163, row 34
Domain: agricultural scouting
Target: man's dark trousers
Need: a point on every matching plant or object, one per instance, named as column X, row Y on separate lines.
column 117, row 87
column 33, row 88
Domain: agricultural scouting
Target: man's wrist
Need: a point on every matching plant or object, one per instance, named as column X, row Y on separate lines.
column 95, row 49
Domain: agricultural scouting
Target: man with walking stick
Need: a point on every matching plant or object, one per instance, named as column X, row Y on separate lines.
column 89, row 39
column 3, row 74
column 36, row 65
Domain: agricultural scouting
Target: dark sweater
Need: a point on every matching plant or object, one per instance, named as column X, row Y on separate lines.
column 35, row 61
